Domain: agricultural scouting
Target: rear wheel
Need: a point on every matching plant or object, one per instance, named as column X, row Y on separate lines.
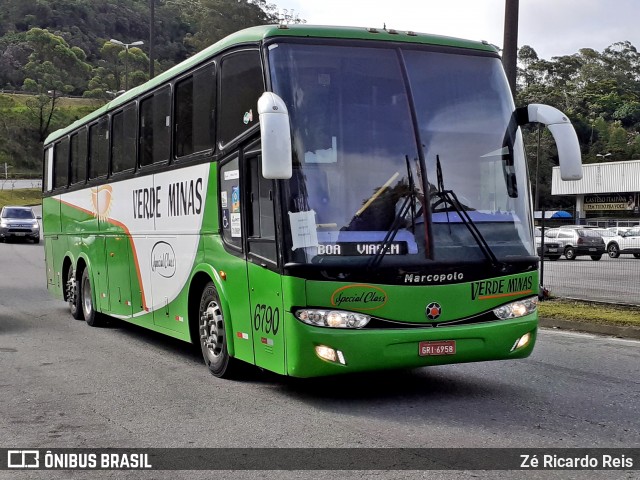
column 596, row 257
column 570, row 253
column 93, row 318
column 613, row 250
column 73, row 295
column 213, row 335
column 636, row 255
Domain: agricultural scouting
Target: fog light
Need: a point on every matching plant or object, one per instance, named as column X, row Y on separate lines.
column 522, row 341
column 329, row 354
column 326, row 353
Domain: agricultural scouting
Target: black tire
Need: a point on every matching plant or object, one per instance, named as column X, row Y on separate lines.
column 595, row 258
column 213, row 335
column 613, row 250
column 36, row 240
column 553, row 258
column 636, row 255
column 73, row 295
column 93, row 318
column 570, row 253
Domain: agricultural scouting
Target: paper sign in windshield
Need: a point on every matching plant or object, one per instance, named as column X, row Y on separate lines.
column 303, row 229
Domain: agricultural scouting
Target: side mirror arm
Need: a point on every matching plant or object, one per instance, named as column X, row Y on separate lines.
column 563, row 133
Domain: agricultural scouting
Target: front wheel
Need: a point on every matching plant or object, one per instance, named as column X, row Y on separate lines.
column 570, row 253
column 213, row 334
column 93, row 318
column 613, row 250
column 595, row 258
column 636, row 255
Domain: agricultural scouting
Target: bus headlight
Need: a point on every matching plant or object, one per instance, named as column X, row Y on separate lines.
column 517, row 309
column 332, row 318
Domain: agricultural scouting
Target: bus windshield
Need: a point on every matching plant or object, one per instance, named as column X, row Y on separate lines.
column 358, row 183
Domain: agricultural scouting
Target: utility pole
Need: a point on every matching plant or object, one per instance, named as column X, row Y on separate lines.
column 152, row 34
column 510, row 44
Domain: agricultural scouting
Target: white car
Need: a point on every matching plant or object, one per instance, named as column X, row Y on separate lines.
column 627, row 242
column 619, row 230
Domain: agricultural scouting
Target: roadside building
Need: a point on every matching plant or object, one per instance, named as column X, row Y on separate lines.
column 607, row 195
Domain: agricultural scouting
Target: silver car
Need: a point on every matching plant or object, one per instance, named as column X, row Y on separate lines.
column 577, row 241
column 19, row 222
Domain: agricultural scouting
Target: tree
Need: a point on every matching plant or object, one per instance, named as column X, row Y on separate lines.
column 53, row 68
column 215, row 19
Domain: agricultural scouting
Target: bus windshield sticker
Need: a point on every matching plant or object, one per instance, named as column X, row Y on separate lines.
column 225, row 218
column 223, row 199
column 236, row 225
column 248, row 117
column 232, row 174
column 303, row 229
column 235, row 199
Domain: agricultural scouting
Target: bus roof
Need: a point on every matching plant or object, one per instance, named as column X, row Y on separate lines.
column 263, row 32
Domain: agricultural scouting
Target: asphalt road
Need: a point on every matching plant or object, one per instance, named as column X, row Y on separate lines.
column 64, row 384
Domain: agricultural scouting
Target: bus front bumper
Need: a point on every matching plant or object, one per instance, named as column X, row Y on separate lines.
column 381, row 349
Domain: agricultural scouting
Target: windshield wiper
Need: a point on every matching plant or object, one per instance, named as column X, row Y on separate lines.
column 408, row 205
column 449, row 197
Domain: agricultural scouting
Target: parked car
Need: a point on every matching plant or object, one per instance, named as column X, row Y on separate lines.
column 19, row 222
column 576, row 241
column 619, row 230
column 627, row 242
column 552, row 249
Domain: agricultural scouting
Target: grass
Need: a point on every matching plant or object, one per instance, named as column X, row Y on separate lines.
column 581, row 311
column 27, row 196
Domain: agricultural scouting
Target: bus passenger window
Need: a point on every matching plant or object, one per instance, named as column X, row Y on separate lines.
column 155, row 121
column 61, row 163
column 240, row 87
column 99, row 148
column 123, row 147
column 79, row 156
column 195, row 113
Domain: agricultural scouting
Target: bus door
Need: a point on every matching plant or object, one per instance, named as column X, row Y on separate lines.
column 265, row 283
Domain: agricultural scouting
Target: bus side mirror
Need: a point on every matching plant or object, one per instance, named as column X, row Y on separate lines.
column 275, row 132
column 563, row 134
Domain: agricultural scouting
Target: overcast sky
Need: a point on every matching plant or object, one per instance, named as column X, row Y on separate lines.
column 551, row 27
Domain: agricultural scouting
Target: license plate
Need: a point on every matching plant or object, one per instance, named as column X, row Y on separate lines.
column 553, row 249
column 592, row 249
column 443, row 347
column 20, row 234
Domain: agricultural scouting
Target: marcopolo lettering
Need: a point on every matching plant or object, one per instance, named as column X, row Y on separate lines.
column 434, row 278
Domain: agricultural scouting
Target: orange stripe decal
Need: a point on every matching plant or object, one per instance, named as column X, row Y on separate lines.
column 133, row 246
column 502, row 295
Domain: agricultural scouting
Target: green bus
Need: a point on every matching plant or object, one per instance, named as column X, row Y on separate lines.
column 310, row 200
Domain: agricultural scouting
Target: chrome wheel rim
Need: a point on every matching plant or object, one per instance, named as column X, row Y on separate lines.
column 87, row 302
column 212, row 330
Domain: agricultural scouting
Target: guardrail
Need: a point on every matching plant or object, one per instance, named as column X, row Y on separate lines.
column 19, row 183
